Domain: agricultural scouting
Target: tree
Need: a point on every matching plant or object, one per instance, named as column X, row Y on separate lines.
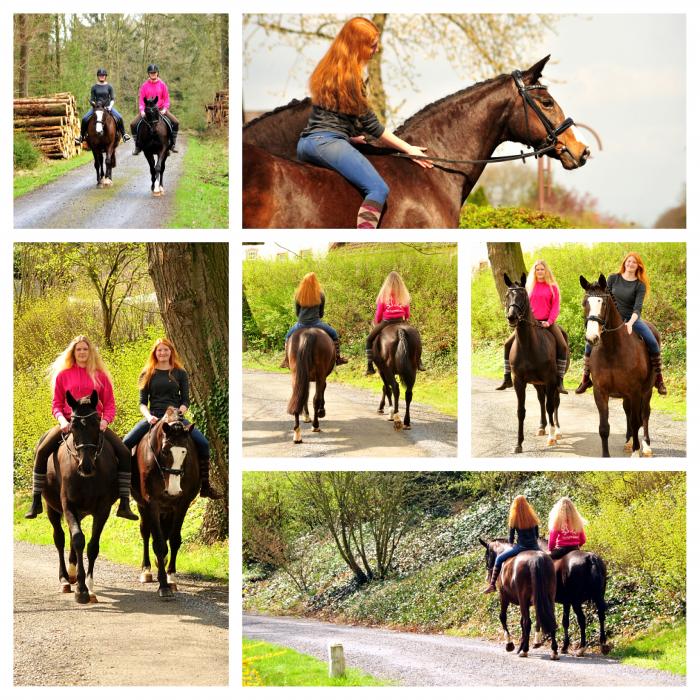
column 508, row 258
column 191, row 283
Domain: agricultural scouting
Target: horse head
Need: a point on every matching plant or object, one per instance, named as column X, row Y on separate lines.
column 597, row 304
column 85, row 429
column 541, row 122
column 150, row 107
column 517, row 300
column 173, row 439
column 493, row 549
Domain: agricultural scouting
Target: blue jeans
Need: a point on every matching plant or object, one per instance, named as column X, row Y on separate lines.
column 332, row 150
column 643, row 331
column 133, row 437
column 316, row 324
column 515, row 549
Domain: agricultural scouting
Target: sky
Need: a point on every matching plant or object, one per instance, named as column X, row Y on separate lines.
column 623, row 75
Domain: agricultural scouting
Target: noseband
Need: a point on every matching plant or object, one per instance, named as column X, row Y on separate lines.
column 597, row 319
column 163, row 470
column 100, row 440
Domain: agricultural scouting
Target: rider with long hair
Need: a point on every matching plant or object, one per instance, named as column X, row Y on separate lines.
column 309, row 305
column 523, row 523
column 393, row 306
column 543, row 291
column 566, row 528
column 163, row 382
column 155, row 87
column 629, row 287
column 341, row 116
column 103, row 91
column 80, row 370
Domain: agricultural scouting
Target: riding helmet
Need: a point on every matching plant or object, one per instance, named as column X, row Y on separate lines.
column 101, row 71
column 152, row 68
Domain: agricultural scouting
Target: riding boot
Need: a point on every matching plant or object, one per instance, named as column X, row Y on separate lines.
column 659, row 382
column 561, row 370
column 285, row 362
column 35, row 508
column 173, row 138
column 492, row 583
column 206, row 490
column 338, row 359
column 507, row 382
column 586, row 378
column 370, row 360
column 124, row 510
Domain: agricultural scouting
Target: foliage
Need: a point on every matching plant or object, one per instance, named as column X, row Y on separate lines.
column 481, row 216
column 25, row 154
column 663, row 647
column 45, row 171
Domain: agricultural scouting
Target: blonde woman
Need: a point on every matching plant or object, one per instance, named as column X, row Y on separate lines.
column 80, row 370
column 566, row 528
column 545, row 303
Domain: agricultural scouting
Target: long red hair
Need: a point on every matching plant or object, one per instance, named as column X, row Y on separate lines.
column 522, row 515
column 309, row 291
column 150, row 367
column 641, row 269
column 336, row 83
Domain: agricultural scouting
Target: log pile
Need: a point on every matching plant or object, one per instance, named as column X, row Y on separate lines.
column 217, row 111
column 52, row 122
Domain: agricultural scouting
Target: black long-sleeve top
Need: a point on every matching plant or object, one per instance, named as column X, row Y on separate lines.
column 527, row 538
column 309, row 314
column 166, row 388
column 629, row 296
column 347, row 124
column 102, row 91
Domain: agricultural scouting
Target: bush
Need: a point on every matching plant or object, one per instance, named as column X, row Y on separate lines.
column 479, row 216
column 26, row 155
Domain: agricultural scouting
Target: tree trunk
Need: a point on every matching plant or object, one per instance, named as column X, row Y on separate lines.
column 223, row 40
column 191, row 283
column 508, row 258
column 374, row 69
column 23, row 62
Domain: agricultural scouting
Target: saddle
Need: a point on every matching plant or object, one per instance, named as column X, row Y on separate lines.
column 168, row 124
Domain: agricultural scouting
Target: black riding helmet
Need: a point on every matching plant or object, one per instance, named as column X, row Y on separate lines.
column 152, row 68
column 101, row 71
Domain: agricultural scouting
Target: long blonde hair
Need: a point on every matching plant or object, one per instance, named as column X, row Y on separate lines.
column 394, row 288
column 66, row 360
column 336, row 83
column 564, row 516
column 548, row 276
column 309, row 291
column 150, row 367
column 522, row 515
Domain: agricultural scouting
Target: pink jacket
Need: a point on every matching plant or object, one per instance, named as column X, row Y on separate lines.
column 544, row 301
column 158, row 89
column 565, row 538
column 391, row 310
column 76, row 380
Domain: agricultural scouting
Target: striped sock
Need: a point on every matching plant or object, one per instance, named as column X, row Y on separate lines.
column 561, row 368
column 124, row 484
column 506, row 366
column 38, row 483
column 369, row 213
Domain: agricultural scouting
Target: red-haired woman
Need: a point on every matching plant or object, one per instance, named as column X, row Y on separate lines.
column 629, row 285
column 523, row 522
column 163, row 382
column 341, row 116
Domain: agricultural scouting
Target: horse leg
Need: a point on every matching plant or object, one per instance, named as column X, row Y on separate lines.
column 306, row 418
column 72, row 564
column 636, row 424
column 297, row 430
column 318, row 400
column 600, row 607
column 526, row 626
column 601, row 401
column 152, row 167
column 646, row 412
column 628, row 435
column 164, row 157
column 380, row 410
column 565, row 625
column 581, row 619
column 93, row 549
column 396, row 390
column 144, row 527
column 98, row 165
column 59, row 540
column 520, row 387
column 77, row 539
column 551, row 400
column 109, row 156
column 175, row 542
column 321, row 400
column 503, row 617
column 408, row 397
column 543, row 422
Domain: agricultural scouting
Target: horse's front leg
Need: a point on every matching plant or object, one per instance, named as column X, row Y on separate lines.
column 175, row 542
column 646, row 412
column 520, row 387
column 550, row 401
column 108, row 165
column 542, row 430
column 408, row 397
column 145, row 528
column 636, row 424
column 320, row 387
column 98, row 166
column 380, row 410
column 152, row 167
column 93, row 549
column 525, row 626
column 565, row 625
column 163, row 159
column 601, row 401
column 600, row 607
column 503, row 617
column 160, row 548
column 77, row 540
column 59, row 540
column 581, row 619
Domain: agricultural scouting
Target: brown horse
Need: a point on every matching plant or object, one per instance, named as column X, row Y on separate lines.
column 533, row 360
column 620, row 367
column 164, row 482
column 153, row 138
column 277, row 132
column 81, row 479
column 525, row 579
column 468, row 125
column 396, row 351
column 103, row 139
column 311, row 355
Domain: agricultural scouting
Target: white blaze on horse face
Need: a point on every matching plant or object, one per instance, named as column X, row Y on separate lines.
column 99, row 125
column 179, row 454
column 595, row 304
column 576, row 133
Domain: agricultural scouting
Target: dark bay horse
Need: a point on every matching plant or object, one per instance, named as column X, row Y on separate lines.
column 277, row 132
column 620, row 367
column 279, row 192
column 153, row 138
column 311, row 355
column 525, row 579
column 103, row 139
column 81, row 480
column 396, row 351
column 164, row 482
column 533, row 360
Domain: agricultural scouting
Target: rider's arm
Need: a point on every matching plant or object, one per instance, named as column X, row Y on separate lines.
column 552, row 540
column 321, row 305
column 165, row 98
column 380, row 312
column 395, row 142
column 554, row 311
column 184, row 383
column 106, row 396
column 511, row 536
column 111, row 97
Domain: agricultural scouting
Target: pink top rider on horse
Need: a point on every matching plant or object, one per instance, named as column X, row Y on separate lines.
column 155, row 87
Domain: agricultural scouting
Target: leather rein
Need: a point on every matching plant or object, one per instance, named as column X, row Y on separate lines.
column 72, row 451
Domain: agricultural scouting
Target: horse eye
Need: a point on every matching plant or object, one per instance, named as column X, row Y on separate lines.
column 546, row 102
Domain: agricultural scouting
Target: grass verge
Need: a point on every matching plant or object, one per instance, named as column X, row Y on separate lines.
column 272, row 665
column 121, row 540
column 46, row 171
column 436, row 388
column 201, row 198
column 662, row 648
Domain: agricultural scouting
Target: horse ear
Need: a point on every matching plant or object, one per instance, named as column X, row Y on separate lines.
column 534, row 73
column 583, row 282
column 523, row 279
column 602, row 281
column 507, row 280
column 486, row 544
column 188, row 428
column 71, row 400
column 166, row 427
column 93, row 398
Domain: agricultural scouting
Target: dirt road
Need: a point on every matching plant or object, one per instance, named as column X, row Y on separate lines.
column 495, row 426
column 74, row 201
column 438, row 660
column 129, row 637
column 351, row 428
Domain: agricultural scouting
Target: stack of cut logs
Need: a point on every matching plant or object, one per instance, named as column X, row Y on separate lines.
column 51, row 122
column 217, row 111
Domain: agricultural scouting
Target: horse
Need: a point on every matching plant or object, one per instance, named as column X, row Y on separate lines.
column 153, row 138
column 620, row 367
column 279, row 192
column 397, row 350
column 525, row 579
column 81, row 479
column 311, row 355
column 103, row 139
column 278, row 131
column 533, row 360
column 164, row 482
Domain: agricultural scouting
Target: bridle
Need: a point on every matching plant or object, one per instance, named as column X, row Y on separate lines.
column 73, row 450
column 606, row 298
column 153, row 443
column 521, row 310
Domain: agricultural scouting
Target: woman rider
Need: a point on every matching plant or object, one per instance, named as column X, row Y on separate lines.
column 155, row 87
column 103, row 91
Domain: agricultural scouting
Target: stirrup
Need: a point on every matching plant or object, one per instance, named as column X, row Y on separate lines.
column 126, row 137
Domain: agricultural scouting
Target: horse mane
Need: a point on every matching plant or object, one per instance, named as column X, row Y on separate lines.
column 290, row 105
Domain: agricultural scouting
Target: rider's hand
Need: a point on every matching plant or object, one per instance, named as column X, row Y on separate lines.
column 152, row 420
column 143, row 114
column 629, row 325
column 103, row 425
column 358, row 139
column 163, row 111
column 64, row 424
column 419, row 151
column 545, row 324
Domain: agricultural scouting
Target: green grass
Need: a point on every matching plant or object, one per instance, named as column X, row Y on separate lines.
column 46, row 171
column 662, row 648
column 436, row 388
column 201, row 198
column 121, row 540
column 272, row 665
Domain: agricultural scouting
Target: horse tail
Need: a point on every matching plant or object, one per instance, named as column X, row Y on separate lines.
column 402, row 357
column 302, row 371
column 599, row 578
column 541, row 570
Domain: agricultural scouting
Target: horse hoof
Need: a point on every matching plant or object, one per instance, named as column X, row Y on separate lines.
column 306, row 419
column 322, row 413
column 173, row 587
column 581, row 651
column 522, row 654
column 605, row 648
column 298, row 442
column 551, row 442
column 510, row 646
column 166, row 593
column 72, row 579
column 146, row 577
column 380, row 411
column 628, row 446
column 541, row 432
column 315, row 430
column 647, row 453
column 518, row 450
column 407, row 427
column 65, row 588
column 554, row 656
column 93, row 598
column 82, row 598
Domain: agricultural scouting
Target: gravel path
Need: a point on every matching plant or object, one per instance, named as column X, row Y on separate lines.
column 130, row 637
column 74, row 201
column 495, row 426
column 351, row 428
column 438, row 660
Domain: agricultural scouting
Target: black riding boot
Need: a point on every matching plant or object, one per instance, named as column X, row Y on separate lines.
column 338, row 359
column 370, row 359
column 492, row 583
column 285, row 362
column 173, row 138
column 507, row 382
column 659, row 381
column 35, row 508
column 206, row 490
column 124, row 510
column 586, row 378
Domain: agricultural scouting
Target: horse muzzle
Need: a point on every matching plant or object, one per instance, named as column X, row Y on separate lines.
column 571, row 157
column 86, row 468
